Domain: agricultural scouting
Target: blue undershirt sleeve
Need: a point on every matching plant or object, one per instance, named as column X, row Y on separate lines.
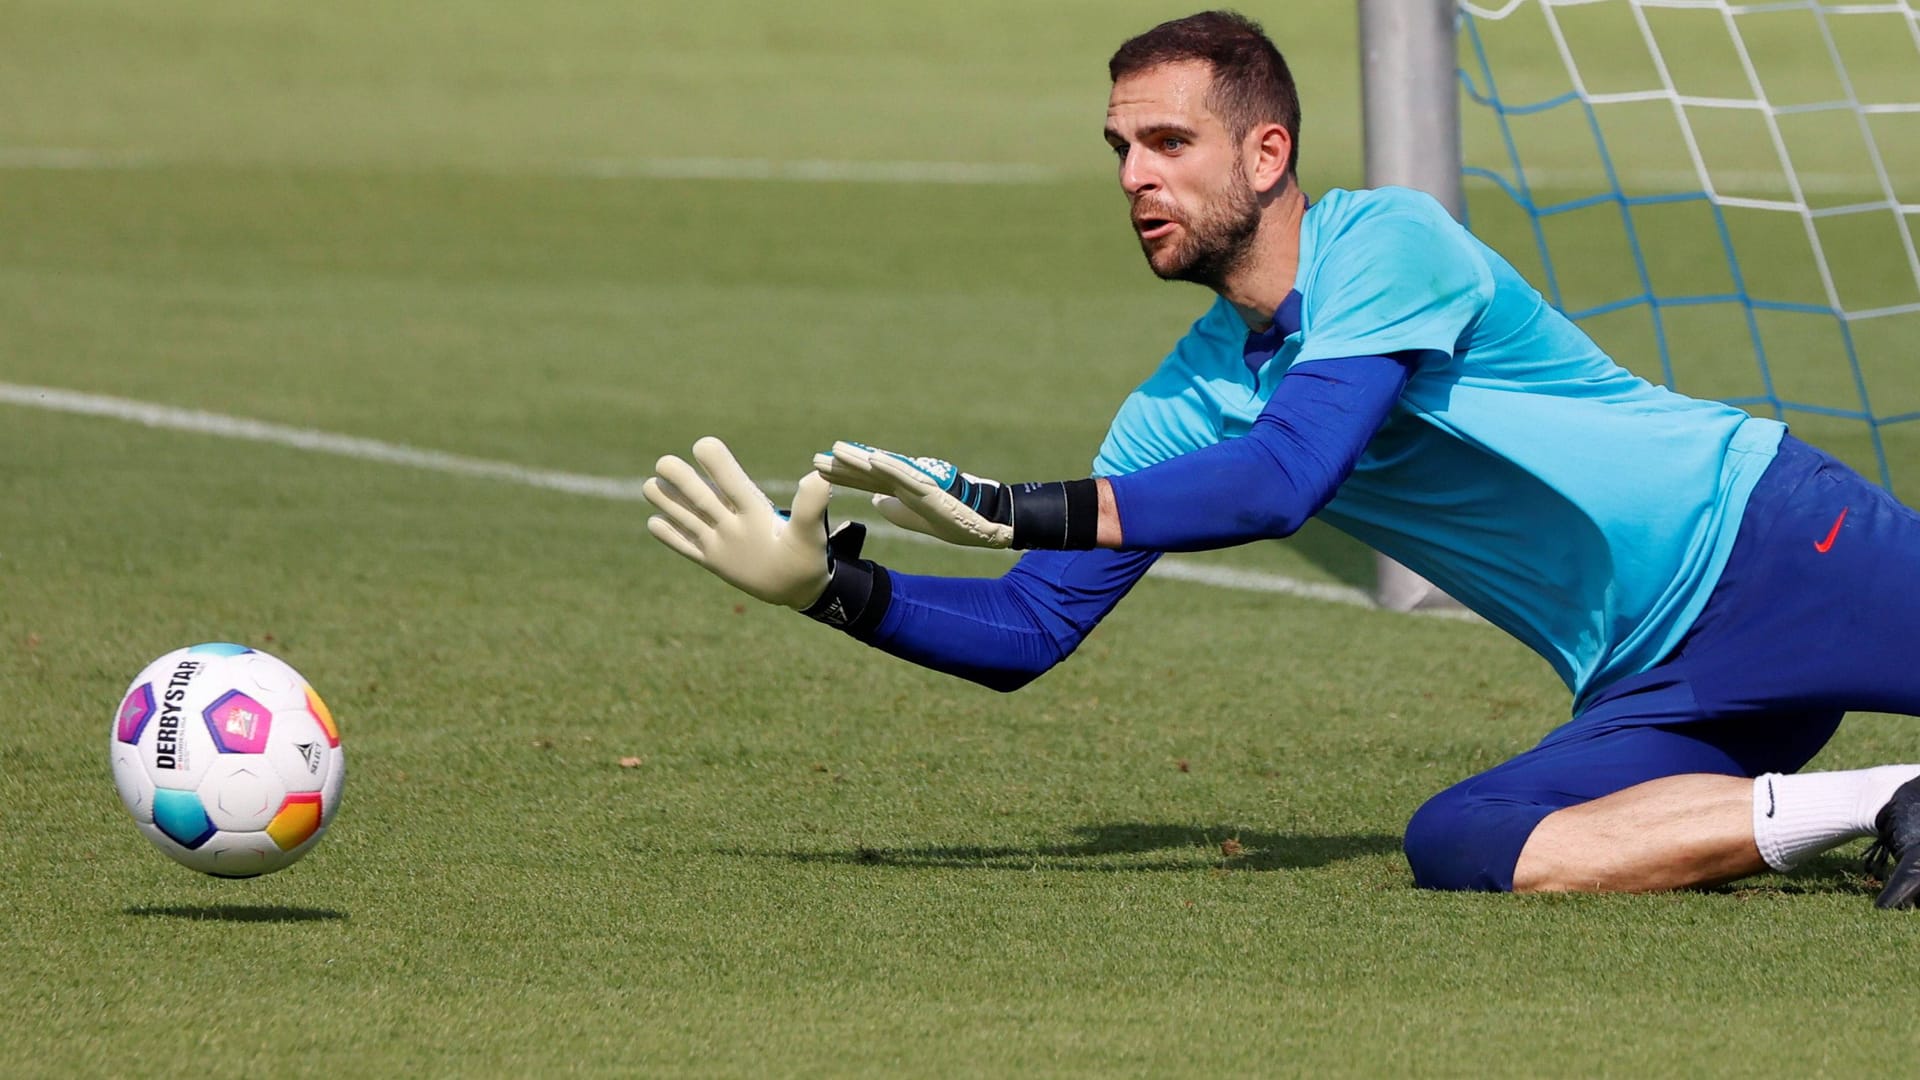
column 1267, row 483
column 1005, row 632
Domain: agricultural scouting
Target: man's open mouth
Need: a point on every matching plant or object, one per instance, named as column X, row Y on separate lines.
column 1151, row 227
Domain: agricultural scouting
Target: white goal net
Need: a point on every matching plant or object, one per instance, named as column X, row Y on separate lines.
column 1724, row 195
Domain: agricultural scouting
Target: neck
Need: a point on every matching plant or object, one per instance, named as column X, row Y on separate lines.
column 1266, row 276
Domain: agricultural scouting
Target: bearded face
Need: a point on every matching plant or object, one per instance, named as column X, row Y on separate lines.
column 1204, row 240
column 1186, row 174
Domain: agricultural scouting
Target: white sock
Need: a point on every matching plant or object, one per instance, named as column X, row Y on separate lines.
column 1798, row 816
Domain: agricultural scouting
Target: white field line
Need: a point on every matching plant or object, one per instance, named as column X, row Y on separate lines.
column 868, row 172
column 64, row 158
column 1640, row 181
column 624, row 489
column 52, row 399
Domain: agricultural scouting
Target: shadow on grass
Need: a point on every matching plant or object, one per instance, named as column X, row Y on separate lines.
column 1825, row 875
column 268, row 913
column 1115, row 848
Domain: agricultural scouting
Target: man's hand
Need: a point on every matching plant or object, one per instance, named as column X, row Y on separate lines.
column 931, row 496
column 924, row 494
column 731, row 528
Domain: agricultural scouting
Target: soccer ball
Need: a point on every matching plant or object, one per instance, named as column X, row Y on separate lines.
column 227, row 760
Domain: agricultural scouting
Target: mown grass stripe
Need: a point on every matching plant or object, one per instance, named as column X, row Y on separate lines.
column 625, row 489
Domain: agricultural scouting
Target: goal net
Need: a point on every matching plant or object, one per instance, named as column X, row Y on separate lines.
column 1723, row 195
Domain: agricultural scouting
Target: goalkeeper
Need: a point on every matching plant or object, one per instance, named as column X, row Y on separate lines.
column 1715, row 593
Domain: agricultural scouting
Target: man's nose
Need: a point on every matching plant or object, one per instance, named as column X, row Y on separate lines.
column 1137, row 175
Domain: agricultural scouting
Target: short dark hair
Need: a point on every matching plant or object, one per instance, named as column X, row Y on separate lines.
column 1251, row 84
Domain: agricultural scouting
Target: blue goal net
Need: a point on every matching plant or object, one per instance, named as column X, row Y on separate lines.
column 1723, row 195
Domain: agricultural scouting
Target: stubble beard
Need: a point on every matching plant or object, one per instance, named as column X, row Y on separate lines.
column 1218, row 238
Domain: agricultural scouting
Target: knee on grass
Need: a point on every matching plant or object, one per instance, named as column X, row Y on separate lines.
column 1462, row 841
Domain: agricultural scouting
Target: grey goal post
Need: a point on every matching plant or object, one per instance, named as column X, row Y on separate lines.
column 1410, row 116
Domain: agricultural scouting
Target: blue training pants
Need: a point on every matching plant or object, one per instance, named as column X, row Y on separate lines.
column 1815, row 615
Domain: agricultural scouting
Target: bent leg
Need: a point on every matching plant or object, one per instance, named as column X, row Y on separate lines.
column 1817, row 612
column 1676, row 832
column 1654, row 807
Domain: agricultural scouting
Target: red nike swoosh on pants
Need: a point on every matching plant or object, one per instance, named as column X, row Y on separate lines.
column 1824, row 546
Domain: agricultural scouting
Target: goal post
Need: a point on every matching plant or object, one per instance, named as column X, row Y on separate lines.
column 1410, row 120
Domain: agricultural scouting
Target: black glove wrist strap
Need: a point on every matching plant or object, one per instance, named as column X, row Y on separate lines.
column 1059, row 516
column 858, row 594
column 858, row 591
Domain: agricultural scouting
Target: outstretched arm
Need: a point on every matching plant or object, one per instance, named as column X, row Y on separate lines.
column 1263, row 485
column 999, row 632
column 1005, row 632
column 1266, row 484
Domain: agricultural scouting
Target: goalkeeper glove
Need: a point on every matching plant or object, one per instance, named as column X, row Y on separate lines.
column 725, row 523
column 932, row 496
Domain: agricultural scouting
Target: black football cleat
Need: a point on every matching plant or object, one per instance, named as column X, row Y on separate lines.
column 1897, row 843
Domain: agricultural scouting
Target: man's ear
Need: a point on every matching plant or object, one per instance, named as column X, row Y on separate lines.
column 1269, row 146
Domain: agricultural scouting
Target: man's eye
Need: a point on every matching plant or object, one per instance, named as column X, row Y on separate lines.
column 1120, row 152
column 1172, row 143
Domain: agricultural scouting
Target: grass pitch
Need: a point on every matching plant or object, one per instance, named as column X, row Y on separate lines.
column 448, row 227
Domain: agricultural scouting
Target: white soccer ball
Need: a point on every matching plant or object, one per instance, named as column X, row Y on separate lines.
column 227, row 760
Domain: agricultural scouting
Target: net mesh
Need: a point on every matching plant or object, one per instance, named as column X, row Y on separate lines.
column 1723, row 195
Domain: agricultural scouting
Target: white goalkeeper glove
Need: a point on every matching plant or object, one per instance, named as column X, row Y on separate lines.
column 925, row 495
column 932, row 496
column 732, row 529
column 724, row 522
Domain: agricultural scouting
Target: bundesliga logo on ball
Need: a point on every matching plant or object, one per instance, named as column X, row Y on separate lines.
column 227, row 760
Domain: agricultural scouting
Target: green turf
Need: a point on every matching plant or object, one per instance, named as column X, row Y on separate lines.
column 1176, row 854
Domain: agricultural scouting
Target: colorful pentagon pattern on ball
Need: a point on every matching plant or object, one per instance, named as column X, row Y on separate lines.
column 298, row 819
column 134, row 714
column 219, row 648
column 323, row 714
column 238, row 723
column 180, row 815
